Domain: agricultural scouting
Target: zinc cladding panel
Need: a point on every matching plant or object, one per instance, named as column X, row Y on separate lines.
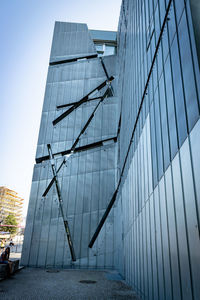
column 181, row 229
column 29, row 223
column 194, row 142
column 35, row 234
column 149, row 253
column 174, row 116
column 154, row 252
column 60, row 244
column 159, row 245
column 191, row 214
column 58, row 93
column 71, row 40
column 175, row 240
column 71, row 204
column 145, row 262
column 172, row 235
column 52, row 234
column 195, row 10
column 85, row 173
column 165, row 240
column 194, row 45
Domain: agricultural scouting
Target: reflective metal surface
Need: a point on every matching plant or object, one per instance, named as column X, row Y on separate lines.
column 157, row 209
column 151, row 234
column 87, row 179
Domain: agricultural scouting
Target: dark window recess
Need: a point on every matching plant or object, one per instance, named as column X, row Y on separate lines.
column 78, row 149
column 119, row 126
column 104, row 48
column 59, row 62
column 95, row 235
column 112, row 201
column 83, row 100
column 74, row 103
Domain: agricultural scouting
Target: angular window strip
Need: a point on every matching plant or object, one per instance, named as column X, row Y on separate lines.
column 105, row 70
column 64, row 61
column 112, row 201
column 78, row 149
column 83, row 100
column 98, row 144
column 73, row 148
column 104, row 67
column 52, row 180
column 74, row 103
column 58, row 190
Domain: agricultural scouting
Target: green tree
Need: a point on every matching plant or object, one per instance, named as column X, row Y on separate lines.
column 10, row 220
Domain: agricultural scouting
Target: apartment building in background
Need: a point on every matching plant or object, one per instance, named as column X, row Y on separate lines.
column 10, row 203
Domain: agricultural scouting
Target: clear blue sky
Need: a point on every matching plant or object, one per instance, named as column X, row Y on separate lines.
column 26, row 29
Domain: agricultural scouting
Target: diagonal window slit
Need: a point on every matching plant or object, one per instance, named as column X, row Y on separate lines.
column 83, row 100
column 76, row 150
column 112, row 201
column 73, row 147
column 58, row 190
column 64, row 61
column 106, row 72
column 74, row 103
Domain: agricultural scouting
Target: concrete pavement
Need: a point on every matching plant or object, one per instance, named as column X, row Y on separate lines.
column 33, row 284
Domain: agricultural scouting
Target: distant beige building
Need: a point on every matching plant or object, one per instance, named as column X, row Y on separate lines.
column 10, row 203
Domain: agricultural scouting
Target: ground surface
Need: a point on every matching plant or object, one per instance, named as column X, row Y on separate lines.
column 14, row 255
column 31, row 283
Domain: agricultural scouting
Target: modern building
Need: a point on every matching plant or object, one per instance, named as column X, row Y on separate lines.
column 130, row 187
column 79, row 87
column 10, row 203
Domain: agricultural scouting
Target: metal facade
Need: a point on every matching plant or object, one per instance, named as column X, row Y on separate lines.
column 157, row 247
column 152, row 233
column 87, row 180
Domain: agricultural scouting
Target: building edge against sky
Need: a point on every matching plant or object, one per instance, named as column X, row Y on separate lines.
column 152, row 233
column 76, row 76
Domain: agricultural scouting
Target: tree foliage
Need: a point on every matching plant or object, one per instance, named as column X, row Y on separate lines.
column 10, row 220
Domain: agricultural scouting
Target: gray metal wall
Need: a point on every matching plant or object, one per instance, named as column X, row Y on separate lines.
column 157, row 246
column 195, row 12
column 88, row 180
column 155, row 238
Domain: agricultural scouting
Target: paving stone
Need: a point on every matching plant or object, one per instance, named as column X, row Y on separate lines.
column 35, row 283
